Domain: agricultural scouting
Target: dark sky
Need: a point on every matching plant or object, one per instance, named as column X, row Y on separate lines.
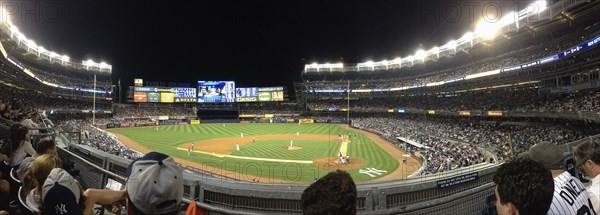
column 255, row 43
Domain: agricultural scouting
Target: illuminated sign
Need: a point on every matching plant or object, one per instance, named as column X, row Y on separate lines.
column 138, row 82
column 494, row 113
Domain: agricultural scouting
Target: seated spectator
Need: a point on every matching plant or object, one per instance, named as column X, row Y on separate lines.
column 46, row 145
column 550, row 155
column 61, row 194
column 35, row 177
column 21, row 146
column 523, row 186
column 335, row 193
column 4, row 194
column 154, row 186
column 588, row 159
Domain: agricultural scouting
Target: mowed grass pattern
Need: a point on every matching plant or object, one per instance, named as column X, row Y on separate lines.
column 168, row 138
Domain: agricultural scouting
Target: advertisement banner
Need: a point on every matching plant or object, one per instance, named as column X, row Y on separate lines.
column 167, row 97
column 195, row 122
column 153, row 97
column 138, row 82
column 246, row 94
column 390, row 110
column 464, row 113
column 269, row 115
column 431, row 112
column 247, row 115
column 306, row 121
column 139, row 97
column 290, row 121
column 494, row 113
column 264, row 96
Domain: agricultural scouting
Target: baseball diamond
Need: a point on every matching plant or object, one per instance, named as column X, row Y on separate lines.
column 269, row 157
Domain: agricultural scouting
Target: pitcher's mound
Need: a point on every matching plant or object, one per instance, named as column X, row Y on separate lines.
column 291, row 147
column 333, row 163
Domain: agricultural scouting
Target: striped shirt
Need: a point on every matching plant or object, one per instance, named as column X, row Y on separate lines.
column 570, row 197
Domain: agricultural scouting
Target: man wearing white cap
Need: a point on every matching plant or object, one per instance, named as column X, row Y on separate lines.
column 154, row 186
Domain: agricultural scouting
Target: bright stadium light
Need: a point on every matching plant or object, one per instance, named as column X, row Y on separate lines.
column 487, row 29
column 397, row 60
column 435, row 50
column 65, row 58
column 542, row 5
column 420, row 55
column 451, row 45
column 467, row 37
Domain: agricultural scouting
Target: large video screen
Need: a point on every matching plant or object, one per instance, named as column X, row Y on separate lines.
column 216, row 91
column 246, row 94
column 267, row 94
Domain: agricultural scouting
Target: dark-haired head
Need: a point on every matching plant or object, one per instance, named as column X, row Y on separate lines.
column 335, row 193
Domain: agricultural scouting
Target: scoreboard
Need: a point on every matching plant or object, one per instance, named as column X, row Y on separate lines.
column 184, row 94
column 164, row 95
column 207, row 92
column 268, row 94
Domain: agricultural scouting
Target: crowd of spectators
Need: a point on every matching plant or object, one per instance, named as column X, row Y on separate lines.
column 406, row 78
column 453, row 141
column 521, row 99
column 98, row 138
column 269, row 108
column 82, row 80
column 145, row 112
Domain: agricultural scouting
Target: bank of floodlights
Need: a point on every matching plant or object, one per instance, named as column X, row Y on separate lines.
column 486, row 29
column 40, row 51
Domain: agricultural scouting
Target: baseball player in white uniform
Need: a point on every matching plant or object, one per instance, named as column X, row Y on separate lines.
column 570, row 196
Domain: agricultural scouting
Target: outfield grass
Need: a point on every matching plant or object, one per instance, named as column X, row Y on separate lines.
column 168, row 138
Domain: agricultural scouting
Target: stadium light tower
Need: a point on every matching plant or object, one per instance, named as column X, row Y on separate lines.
column 468, row 37
column 436, row 51
column 411, row 59
column 487, row 30
column 420, row 55
column 451, row 45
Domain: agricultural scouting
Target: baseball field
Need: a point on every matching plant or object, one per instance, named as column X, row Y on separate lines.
column 273, row 152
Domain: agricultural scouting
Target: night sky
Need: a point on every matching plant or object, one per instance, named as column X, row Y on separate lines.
column 255, row 43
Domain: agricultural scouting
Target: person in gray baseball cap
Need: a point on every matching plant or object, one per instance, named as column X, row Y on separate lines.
column 570, row 196
column 154, row 186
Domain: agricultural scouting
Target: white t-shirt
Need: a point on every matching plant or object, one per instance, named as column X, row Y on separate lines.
column 594, row 192
column 33, row 201
column 18, row 155
column 570, row 196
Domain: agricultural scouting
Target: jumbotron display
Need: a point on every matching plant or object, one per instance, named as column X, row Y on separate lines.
column 216, row 91
column 164, row 94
